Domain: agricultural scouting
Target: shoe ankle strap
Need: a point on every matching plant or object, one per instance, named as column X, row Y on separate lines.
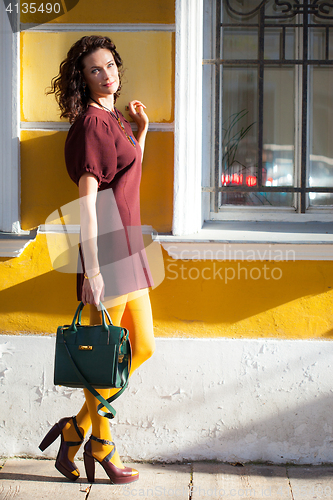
column 76, row 427
column 102, row 441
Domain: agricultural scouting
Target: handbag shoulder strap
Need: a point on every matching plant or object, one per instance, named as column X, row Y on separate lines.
column 103, row 402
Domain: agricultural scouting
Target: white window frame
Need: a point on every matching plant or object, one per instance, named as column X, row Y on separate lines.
column 239, row 213
column 187, row 213
column 9, row 126
column 190, row 169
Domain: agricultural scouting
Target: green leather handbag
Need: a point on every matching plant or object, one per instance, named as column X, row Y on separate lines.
column 93, row 357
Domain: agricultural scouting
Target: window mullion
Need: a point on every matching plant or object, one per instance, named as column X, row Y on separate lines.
column 218, row 108
column 261, row 47
column 305, row 57
column 298, row 112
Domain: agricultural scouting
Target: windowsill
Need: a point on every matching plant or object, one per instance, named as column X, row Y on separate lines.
column 228, row 239
column 12, row 245
column 269, row 214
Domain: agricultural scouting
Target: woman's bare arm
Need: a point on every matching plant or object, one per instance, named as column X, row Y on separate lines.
column 93, row 288
column 138, row 115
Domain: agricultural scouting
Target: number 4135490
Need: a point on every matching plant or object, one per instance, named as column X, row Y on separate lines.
column 31, row 8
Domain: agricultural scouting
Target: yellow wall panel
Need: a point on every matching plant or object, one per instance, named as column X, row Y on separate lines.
column 149, row 72
column 157, row 181
column 110, row 11
column 45, row 184
column 241, row 299
column 36, row 299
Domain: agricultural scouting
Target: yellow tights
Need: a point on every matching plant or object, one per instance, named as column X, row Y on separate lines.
column 133, row 313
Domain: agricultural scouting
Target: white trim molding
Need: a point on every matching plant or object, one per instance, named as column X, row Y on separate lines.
column 47, row 126
column 121, row 27
column 253, row 241
column 188, row 117
column 75, row 229
column 12, row 245
column 9, row 126
column 246, row 252
column 59, row 229
column 64, row 126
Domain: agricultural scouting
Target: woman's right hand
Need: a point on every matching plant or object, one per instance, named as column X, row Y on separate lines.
column 93, row 290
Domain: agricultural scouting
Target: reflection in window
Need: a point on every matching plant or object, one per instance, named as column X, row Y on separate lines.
column 321, row 146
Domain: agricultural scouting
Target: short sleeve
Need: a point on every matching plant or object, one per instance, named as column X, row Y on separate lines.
column 90, row 147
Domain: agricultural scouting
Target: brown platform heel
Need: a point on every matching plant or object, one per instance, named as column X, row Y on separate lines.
column 116, row 475
column 63, row 464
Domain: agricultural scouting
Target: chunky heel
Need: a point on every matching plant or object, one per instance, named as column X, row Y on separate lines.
column 116, row 475
column 63, row 464
column 50, row 437
column 89, row 465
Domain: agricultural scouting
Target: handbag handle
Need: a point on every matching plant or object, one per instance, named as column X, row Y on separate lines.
column 78, row 313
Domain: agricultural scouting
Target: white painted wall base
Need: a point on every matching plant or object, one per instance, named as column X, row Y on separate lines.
column 230, row 400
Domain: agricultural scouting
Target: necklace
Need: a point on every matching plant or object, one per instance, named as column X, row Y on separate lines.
column 120, row 123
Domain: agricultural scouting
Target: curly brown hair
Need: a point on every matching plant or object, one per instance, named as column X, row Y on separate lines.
column 68, row 86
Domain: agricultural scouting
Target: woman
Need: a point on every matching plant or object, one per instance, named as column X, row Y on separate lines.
column 104, row 160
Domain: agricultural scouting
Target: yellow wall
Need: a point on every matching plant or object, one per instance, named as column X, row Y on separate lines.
column 36, row 299
column 45, row 184
column 225, row 299
column 148, row 59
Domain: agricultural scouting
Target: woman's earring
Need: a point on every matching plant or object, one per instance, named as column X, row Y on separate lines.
column 84, row 85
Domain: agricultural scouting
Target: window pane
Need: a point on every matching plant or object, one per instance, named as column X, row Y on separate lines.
column 323, row 19
column 321, row 149
column 272, row 44
column 290, row 43
column 279, row 43
column 240, row 44
column 229, row 13
column 239, row 131
column 317, row 43
column 278, row 13
column 279, row 132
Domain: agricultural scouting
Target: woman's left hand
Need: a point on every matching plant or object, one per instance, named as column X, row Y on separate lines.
column 137, row 113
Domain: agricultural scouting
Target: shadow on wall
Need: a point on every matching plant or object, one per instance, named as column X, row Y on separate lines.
column 46, row 293
column 252, row 400
column 328, row 334
column 226, row 292
column 275, row 439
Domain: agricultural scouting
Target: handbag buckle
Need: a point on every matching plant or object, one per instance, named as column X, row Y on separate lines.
column 85, row 347
column 120, row 358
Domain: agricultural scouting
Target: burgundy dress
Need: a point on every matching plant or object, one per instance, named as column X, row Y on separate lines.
column 96, row 144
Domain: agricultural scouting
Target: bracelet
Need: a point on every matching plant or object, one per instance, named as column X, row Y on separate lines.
column 91, row 277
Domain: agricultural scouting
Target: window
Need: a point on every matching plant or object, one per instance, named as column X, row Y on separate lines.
column 268, row 105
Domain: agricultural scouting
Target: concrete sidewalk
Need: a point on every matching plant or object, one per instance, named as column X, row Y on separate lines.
column 38, row 479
